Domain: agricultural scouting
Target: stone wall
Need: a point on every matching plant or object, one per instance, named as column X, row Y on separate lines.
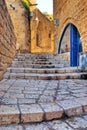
column 71, row 11
column 21, row 24
column 7, row 38
column 42, row 33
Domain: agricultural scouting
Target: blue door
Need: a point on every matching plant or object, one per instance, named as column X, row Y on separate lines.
column 74, row 46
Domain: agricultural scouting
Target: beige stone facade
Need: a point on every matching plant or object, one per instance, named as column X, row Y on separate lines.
column 21, row 24
column 42, row 33
column 28, row 32
column 71, row 11
column 7, row 38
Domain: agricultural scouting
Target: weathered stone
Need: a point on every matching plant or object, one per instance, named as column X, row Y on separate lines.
column 52, row 111
column 31, row 113
column 59, row 125
column 9, row 101
column 83, row 102
column 9, row 114
column 26, row 101
column 77, row 123
column 71, row 108
column 11, row 127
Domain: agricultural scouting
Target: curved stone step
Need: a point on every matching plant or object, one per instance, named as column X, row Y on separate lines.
column 33, row 66
column 44, row 76
column 30, row 62
column 42, row 71
column 39, row 112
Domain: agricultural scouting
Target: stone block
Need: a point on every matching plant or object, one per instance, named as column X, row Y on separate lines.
column 52, row 111
column 71, row 108
column 83, row 102
column 31, row 113
column 9, row 114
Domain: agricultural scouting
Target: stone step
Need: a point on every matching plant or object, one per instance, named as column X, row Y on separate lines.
column 34, row 66
column 39, row 112
column 42, row 71
column 1, row 75
column 30, row 62
column 72, row 123
column 35, row 76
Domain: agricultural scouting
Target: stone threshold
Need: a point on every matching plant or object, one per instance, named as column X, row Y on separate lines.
column 24, row 113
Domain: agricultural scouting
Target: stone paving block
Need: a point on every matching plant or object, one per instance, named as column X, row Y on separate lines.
column 9, row 101
column 3, row 80
column 60, row 125
column 31, row 113
column 32, row 96
column 49, row 93
column 9, row 114
column 77, row 123
column 33, row 88
column 1, row 94
column 16, row 91
column 11, row 127
column 45, row 99
column 71, row 108
column 4, row 87
column 85, row 117
column 6, row 75
column 64, row 97
column 52, row 111
column 32, row 92
column 37, row 127
column 10, row 82
column 78, row 95
column 83, row 102
column 14, row 95
column 26, row 101
column 81, row 90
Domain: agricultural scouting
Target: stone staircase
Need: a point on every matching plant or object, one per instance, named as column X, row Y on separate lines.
column 28, row 95
column 40, row 67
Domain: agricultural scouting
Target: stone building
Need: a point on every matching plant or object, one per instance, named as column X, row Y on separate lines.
column 26, row 34
column 42, row 33
column 7, row 38
column 20, row 22
column 70, row 18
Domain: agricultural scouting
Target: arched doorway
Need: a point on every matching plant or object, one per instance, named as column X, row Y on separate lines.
column 70, row 42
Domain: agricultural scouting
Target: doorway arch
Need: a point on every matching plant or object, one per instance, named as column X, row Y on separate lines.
column 72, row 45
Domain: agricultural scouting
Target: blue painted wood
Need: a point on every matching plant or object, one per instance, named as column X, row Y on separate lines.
column 75, row 44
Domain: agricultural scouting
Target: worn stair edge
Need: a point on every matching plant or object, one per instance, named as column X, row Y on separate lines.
column 10, row 114
column 45, row 71
column 44, row 76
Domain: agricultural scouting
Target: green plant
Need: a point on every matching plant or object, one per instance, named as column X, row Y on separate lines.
column 26, row 4
column 49, row 16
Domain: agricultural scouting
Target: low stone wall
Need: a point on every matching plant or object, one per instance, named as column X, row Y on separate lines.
column 7, row 38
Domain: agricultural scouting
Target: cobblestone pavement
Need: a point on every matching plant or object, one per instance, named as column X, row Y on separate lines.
column 35, row 101
column 73, row 123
